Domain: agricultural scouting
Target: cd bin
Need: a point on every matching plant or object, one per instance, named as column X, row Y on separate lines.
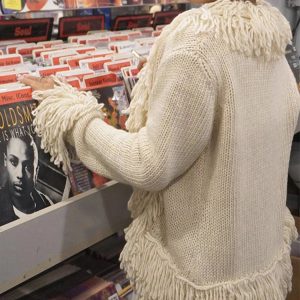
column 32, row 245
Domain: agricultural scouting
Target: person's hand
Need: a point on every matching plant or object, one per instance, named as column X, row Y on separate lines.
column 37, row 83
column 142, row 62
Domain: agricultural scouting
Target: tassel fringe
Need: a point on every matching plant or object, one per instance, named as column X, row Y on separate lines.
column 55, row 117
column 155, row 276
column 254, row 30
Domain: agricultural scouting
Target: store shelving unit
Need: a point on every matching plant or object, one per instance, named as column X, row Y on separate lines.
column 31, row 245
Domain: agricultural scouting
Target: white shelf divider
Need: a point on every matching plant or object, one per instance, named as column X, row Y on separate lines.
column 32, row 245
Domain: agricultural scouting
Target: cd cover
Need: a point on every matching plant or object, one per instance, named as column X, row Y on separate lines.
column 29, row 182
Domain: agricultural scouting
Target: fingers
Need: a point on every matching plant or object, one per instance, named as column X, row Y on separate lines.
column 48, row 81
column 32, row 82
column 141, row 64
column 30, row 77
column 37, row 83
column 28, row 80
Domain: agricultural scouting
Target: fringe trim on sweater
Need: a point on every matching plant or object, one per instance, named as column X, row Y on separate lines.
column 56, row 116
column 155, row 276
column 254, row 30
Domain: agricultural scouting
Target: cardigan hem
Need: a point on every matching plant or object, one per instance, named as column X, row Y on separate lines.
column 154, row 276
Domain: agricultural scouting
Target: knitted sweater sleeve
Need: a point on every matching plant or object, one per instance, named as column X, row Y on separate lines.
column 178, row 128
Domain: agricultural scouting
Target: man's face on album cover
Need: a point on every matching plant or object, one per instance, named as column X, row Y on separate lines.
column 20, row 168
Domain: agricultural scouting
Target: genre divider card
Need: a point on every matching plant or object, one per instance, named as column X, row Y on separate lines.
column 164, row 17
column 30, row 30
column 130, row 22
column 10, row 59
column 79, row 25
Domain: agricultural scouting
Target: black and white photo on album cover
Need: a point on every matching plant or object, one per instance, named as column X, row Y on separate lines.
column 29, row 182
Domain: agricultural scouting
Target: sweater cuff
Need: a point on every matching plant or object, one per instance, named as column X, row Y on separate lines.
column 56, row 115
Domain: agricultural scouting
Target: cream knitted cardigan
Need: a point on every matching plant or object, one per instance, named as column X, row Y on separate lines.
column 207, row 152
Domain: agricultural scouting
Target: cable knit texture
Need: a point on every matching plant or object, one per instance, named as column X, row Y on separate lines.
column 210, row 130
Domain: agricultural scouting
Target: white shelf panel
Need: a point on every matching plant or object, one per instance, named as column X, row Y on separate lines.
column 32, row 245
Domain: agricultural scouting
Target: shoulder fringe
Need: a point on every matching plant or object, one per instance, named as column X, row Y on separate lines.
column 55, row 117
column 154, row 276
column 254, row 30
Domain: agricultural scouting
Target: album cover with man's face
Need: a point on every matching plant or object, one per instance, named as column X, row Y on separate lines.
column 29, row 182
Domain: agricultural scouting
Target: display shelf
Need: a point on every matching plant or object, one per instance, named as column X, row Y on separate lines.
column 32, row 245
